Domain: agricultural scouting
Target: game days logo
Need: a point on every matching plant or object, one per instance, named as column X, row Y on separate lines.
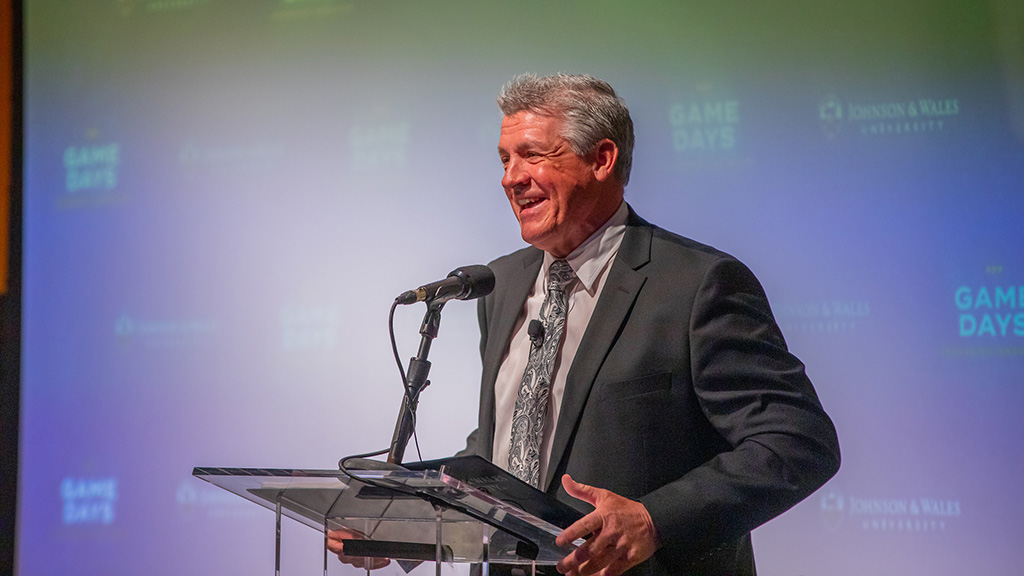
column 990, row 311
column 704, row 126
column 90, row 175
column 91, row 167
column 88, row 500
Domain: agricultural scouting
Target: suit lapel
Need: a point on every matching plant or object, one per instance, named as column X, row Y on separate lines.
column 508, row 306
column 617, row 297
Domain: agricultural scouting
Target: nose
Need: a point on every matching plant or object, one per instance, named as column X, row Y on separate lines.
column 515, row 175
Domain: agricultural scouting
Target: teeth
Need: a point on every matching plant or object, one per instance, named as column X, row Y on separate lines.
column 525, row 201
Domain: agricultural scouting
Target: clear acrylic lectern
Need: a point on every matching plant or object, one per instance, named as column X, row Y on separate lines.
column 405, row 515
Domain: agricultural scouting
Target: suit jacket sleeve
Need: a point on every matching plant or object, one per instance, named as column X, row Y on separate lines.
column 756, row 396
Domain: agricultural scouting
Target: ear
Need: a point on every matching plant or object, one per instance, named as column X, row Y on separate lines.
column 605, row 155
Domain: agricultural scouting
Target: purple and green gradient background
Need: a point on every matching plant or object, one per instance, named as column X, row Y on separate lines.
column 222, row 198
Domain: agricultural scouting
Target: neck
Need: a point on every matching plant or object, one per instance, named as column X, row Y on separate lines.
column 592, row 223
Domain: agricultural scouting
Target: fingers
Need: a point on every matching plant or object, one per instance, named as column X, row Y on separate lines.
column 622, row 533
column 589, row 524
column 588, row 494
column 590, row 557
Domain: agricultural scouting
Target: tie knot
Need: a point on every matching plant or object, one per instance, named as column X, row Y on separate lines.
column 560, row 275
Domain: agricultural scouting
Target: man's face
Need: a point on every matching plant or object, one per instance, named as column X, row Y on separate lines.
column 551, row 188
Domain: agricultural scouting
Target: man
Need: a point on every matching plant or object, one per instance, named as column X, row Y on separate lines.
column 654, row 387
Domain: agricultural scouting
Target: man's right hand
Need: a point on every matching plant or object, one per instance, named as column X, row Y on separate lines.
column 336, row 544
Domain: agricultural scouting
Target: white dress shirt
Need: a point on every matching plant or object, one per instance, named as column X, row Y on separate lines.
column 590, row 261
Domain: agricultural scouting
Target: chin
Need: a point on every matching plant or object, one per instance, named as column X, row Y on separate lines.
column 533, row 237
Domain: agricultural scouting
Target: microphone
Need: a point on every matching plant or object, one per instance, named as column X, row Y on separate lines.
column 465, row 283
column 536, row 332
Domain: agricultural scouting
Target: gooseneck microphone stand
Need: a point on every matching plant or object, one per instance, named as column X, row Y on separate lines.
column 416, row 381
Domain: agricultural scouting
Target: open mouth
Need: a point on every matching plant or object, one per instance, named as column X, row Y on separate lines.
column 526, row 204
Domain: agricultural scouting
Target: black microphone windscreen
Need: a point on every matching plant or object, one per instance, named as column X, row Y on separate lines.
column 477, row 281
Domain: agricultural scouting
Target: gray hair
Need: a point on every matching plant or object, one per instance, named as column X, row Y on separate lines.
column 588, row 106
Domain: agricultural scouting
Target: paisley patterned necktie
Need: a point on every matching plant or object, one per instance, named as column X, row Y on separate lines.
column 535, row 388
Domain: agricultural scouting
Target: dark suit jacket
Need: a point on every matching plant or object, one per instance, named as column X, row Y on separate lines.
column 682, row 396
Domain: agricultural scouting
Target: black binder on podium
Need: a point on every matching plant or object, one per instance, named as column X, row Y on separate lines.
column 432, row 513
column 483, row 475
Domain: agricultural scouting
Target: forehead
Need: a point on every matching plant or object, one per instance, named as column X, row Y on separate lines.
column 528, row 128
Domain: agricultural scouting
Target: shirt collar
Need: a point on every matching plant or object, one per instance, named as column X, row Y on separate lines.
column 591, row 257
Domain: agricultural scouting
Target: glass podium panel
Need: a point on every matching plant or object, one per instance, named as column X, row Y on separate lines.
column 402, row 514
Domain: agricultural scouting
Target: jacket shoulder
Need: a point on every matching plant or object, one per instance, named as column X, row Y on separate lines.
column 515, row 259
column 667, row 245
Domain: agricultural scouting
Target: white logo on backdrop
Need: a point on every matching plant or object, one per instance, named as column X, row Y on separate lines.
column 891, row 514
column 704, row 126
column 915, row 116
column 88, row 500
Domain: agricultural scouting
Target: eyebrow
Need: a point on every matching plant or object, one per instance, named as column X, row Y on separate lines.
column 526, row 144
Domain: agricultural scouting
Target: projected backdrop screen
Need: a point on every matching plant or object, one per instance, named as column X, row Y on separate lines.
column 222, row 198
